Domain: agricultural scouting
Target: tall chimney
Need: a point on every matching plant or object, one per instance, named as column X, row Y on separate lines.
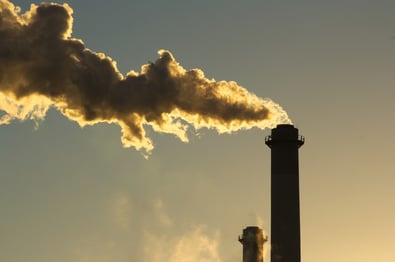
column 284, row 143
column 252, row 241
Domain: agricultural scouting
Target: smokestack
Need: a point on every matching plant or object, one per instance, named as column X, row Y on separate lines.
column 284, row 143
column 252, row 241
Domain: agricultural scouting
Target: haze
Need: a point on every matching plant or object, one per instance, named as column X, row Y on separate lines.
column 72, row 194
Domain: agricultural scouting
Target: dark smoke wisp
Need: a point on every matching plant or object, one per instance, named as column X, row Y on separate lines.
column 42, row 66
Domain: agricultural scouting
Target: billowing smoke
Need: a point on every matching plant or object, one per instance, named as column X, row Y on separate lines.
column 42, row 66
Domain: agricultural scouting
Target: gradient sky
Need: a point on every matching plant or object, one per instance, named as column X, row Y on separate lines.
column 72, row 194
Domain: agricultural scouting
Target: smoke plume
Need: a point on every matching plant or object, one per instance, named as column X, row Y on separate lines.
column 42, row 66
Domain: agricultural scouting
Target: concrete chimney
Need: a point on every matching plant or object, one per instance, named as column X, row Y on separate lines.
column 252, row 241
column 284, row 143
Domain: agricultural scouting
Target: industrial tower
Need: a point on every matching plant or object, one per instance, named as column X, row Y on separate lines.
column 252, row 241
column 284, row 143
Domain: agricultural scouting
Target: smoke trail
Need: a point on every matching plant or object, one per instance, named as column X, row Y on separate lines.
column 42, row 66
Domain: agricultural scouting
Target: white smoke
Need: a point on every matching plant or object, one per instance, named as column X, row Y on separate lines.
column 43, row 66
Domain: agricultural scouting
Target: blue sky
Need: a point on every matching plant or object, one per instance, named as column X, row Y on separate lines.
column 75, row 194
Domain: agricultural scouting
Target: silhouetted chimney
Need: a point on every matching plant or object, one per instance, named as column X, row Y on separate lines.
column 252, row 240
column 285, row 218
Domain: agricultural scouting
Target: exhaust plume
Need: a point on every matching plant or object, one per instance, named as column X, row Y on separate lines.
column 42, row 66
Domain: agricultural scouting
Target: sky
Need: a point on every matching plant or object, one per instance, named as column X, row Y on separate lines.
column 76, row 194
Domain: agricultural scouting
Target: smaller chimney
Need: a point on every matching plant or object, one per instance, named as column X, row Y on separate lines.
column 252, row 241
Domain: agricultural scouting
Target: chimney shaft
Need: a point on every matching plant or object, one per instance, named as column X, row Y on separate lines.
column 252, row 241
column 285, row 216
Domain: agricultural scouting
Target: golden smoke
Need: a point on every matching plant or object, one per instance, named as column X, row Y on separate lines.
column 42, row 66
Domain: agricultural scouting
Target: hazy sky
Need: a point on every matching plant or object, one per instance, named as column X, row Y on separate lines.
column 72, row 194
